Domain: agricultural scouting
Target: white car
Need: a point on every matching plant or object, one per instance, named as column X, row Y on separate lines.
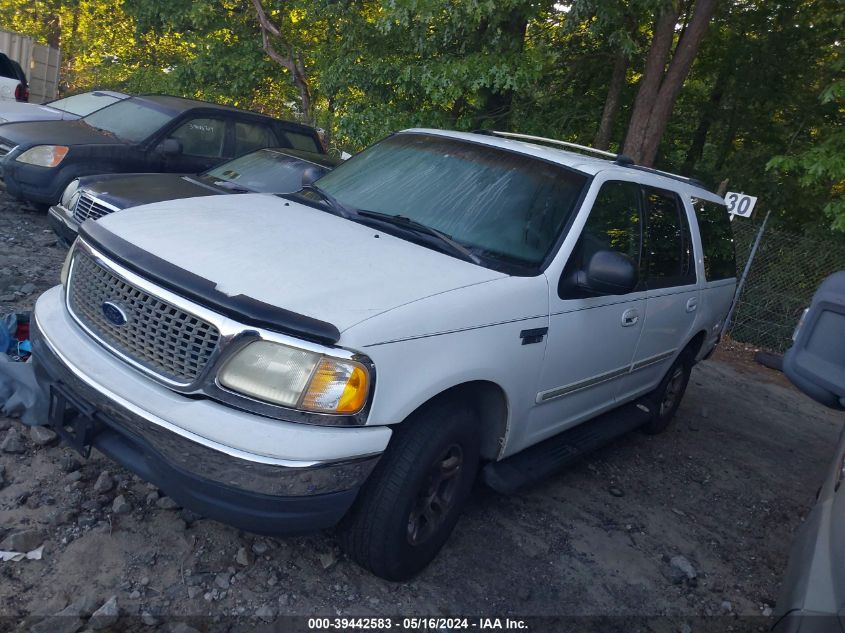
column 65, row 109
column 440, row 305
column 13, row 84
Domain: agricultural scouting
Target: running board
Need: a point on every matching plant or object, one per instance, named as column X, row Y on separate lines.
column 537, row 462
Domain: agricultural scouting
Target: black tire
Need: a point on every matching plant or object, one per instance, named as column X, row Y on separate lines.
column 667, row 397
column 408, row 507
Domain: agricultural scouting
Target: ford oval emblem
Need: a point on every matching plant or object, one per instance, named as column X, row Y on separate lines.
column 114, row 313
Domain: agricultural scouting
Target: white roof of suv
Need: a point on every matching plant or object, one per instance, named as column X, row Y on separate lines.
column 584, row 163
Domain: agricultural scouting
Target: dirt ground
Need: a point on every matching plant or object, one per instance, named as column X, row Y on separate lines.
column 725, row 487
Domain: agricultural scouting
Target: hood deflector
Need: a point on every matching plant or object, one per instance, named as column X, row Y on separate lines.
column 243, row 309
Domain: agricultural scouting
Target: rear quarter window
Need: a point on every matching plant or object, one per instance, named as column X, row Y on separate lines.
column 717, row 240
column 303, row 141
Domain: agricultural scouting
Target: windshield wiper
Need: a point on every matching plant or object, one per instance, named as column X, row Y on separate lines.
column 400, row 220
column 228, row 184
column 339, row 208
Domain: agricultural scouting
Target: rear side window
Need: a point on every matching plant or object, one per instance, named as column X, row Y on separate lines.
column 252, row 136
column 304, row 142
column 668, row 241
column 717, row 240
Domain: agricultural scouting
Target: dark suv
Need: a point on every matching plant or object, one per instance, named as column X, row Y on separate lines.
column 149, row 133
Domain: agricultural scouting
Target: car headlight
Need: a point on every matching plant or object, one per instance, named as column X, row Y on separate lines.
column 69, row 192
column 44, row 155
column 297, row 378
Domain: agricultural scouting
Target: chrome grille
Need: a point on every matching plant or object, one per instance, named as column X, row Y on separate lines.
column 157, row 335
column 88, row 206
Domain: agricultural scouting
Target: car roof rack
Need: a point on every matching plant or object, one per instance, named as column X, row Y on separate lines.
column 667, row 174
column 620, row 159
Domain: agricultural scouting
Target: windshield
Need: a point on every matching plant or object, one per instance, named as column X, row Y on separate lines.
column 85, row 103
column 498, row 203
column 266, row 171
column 129, row 120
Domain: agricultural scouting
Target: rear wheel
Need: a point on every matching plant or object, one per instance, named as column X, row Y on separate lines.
column 667, row 397
column 412, row 501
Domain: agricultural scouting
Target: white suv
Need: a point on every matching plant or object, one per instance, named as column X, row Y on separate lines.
column 440, row 305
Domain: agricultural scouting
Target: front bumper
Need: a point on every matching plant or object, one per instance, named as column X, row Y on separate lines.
column 254, row 492
column 63, row 224
column 41, row 185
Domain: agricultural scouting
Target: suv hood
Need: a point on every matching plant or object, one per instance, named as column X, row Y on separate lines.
column 56, row 133
column 293, row 256
column 132, row 190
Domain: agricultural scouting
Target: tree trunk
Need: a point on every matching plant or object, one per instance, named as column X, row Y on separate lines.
column 498, row 104
column 657, row 95
column 292, row 61
column 709, row 115
column 612, row 102
column 658, row 54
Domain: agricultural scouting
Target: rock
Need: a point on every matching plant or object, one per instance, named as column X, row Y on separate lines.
column 121, row 505
column 682, row 570
column 260, row 548
column 243, row 557
column 686, row 628
column 726, row 606
column 22, row 541
column 166, row 503
column 104, row 482
column 28, row 288
column 145, row 580
column 193, row 592
column 105, row 616
column 76, row 475
column 7, row 298
column 42, row 436
column 327, row 559
column 12, row 442
column 70, row 463
column 151, row 498
column 135, row 595
column 188, row 516
column 616, row 492
column 58, row 624
column 767, row 612
column 80, row 608
column 222, row 580
column 148, row 619
column 266, row 613
column 284, row 599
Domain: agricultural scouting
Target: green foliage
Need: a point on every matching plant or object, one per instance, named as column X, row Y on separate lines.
column 766, row 88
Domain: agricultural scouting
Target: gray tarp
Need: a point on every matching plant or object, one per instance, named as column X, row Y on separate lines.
column 20, row 395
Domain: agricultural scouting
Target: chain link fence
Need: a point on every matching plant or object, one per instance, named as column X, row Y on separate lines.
column 784, row 274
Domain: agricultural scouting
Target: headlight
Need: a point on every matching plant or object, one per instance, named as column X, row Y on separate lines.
column 43, row 155
column 297, row 378
column 66, row 267
column 69, row 192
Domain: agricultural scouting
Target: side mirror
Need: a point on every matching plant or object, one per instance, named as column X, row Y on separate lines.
column 311, row 175
column 170, row 147
column 606, row 272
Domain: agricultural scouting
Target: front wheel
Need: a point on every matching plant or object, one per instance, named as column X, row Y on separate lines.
column 412, row 501
column 667, row 397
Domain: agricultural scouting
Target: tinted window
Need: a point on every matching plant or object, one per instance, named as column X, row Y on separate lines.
column 668, row 243
column 502, row 204
column 6, row 68
column 202, row 137
column 130, row 120
column 614, row 221
column 265, row 171
column 252, row 136
column 304, row 142
column 717, row 240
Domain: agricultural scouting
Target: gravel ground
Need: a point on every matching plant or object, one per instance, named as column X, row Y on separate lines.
column 694, row 522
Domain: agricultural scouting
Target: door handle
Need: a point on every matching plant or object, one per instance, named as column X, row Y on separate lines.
column 630, row 317
column 692, row 304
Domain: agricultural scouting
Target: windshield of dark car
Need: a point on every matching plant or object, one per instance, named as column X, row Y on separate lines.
column 266, row 171
column 129, row 120
column 85, row 103
column 496, row 202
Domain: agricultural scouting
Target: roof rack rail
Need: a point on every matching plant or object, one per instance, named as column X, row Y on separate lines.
column 620, row 159
column 652, row 170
